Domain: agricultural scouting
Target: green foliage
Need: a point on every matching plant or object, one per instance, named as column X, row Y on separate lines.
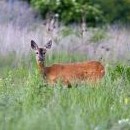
column 115, row 10
column 67, row 31
column 27, row 1
column 27, row 102
column 121, row 71
column 98, row 35
column 69, row 10
column 95, row 11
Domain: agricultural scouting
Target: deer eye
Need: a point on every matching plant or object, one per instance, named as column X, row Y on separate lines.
column 36, row 52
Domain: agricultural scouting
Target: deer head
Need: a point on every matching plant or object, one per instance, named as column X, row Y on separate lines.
column 40, row 52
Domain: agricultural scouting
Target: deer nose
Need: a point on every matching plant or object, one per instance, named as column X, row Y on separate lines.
column 40, row 58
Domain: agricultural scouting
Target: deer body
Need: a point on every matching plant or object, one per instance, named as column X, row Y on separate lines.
column 67, row 73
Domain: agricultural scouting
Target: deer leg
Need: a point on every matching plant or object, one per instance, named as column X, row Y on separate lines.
column 67, row 84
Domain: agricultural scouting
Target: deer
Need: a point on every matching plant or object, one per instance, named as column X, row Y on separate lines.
column 67, row 73
column 90, row 71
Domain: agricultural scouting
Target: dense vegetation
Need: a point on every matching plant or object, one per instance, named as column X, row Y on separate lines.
column 95, row 11
column 27, row 102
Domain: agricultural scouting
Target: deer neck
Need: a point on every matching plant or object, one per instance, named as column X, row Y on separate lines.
column 41, row 67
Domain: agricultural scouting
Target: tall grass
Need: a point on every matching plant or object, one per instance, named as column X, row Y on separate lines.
column 28, row 102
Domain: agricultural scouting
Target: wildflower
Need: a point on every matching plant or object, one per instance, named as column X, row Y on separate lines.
column 126, row 101
column 0, row 80
column 122, row 121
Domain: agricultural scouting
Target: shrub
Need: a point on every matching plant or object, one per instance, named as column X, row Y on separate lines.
column 70, row 10
column 97, row 11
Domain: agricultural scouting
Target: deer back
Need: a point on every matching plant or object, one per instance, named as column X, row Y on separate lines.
column 92, row 70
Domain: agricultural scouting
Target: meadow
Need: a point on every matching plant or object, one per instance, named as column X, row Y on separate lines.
column 27, row 102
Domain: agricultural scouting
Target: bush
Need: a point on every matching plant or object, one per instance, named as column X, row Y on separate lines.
column 118, row 10
column 95, row 11
column 121, row 71
column 70, row 10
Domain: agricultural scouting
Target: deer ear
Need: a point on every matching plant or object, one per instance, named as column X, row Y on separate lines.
column 49, row 44
column 34, row 46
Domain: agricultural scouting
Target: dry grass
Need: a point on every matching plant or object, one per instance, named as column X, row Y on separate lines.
column 19, row 27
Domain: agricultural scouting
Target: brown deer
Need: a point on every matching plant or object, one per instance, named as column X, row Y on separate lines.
column 69, row 72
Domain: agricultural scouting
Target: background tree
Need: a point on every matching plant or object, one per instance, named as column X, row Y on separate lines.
column 96, row 11
column 70, row 10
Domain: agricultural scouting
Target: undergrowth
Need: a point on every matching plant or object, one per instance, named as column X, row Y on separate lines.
column 28, row 102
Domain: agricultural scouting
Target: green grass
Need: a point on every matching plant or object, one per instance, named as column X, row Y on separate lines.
column 28, row 103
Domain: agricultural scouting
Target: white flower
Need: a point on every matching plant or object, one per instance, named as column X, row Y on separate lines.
column 123, row 121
